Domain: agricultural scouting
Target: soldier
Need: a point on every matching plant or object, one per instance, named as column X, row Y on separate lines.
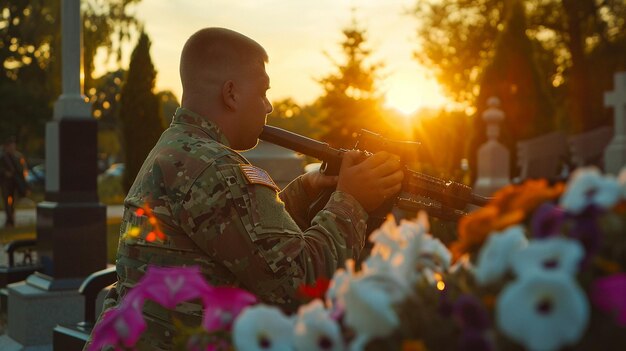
column 217, row 211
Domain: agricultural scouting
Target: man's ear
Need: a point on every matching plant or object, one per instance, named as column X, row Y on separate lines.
column 229, row 95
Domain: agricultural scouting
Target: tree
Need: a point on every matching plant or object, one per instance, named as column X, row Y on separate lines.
column 457, row 37
column 350, row 100
column 514, row 76
column 30, row 56
column 140, row 112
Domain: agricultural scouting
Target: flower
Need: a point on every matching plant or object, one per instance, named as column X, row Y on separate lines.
column 263, row 327
column 588, row 187
column 543, row 311
column 223, row 305
column 369, row 309
column 494, row 258
column 509, row 206
column 547, row 220
column 609, row 295
column 171, row 285
column 316, row 330
column 119, row 326
column 315, row 291
column 556, row 254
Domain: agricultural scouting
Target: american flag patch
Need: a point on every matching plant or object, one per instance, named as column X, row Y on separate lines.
column 256, row 175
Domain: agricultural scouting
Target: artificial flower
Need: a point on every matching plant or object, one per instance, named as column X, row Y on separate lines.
column 263, row 327
column 547, row 220
column 315, row 329
column 588, row 187
column 171, row 285
column 315, row 291
column 223, row 305
column 543, row 311
column 494, row 258
column 609, row 295
column 555, row 254
column 369, row 309
column 119, row 326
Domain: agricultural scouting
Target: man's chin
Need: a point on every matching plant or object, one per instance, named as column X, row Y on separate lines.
column 248, row 147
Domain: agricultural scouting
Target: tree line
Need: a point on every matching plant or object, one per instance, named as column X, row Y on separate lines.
column 549, row 62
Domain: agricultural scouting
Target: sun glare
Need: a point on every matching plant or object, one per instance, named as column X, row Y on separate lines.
column 410, row 93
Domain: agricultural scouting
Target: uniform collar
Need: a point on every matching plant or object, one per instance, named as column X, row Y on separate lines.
column 188, row 117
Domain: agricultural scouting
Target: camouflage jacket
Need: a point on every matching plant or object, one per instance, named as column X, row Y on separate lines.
column 226, row 216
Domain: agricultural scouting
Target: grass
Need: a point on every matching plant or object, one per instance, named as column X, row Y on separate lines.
column 29, row 232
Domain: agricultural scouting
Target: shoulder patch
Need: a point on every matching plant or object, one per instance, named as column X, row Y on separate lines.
column 256, row 175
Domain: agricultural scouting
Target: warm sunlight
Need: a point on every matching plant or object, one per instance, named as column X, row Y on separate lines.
column 410, row 92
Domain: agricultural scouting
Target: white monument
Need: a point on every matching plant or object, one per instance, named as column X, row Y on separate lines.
column 615, row 153
column 493, row 158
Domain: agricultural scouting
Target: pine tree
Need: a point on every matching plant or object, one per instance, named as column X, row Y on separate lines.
column 514, row 77
column 140, row 113
column 350, row 101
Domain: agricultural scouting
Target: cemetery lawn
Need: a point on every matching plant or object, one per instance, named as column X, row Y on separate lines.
column 29, row 232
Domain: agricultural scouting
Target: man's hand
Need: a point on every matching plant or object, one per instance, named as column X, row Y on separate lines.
column 314, row 182
column 370, row 181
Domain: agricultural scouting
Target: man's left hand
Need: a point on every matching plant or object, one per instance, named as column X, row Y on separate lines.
column 314, row 182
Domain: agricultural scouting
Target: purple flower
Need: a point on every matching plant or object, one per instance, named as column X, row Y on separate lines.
column 587, row 230
column 609, row 295
column 223, row 305
column 470, row 313
column 547, row 220
column 473, row 340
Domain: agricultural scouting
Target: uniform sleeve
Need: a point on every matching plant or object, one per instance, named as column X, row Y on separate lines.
column 245, row 227
column 297, row 202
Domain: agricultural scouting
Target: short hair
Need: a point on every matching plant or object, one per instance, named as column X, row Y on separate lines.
column 211, row 52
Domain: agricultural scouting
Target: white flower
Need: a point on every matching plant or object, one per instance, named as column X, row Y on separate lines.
column 338, row 285
column 495, row 256
column 406, row 251
column 543, row 311
column 369, row 309
column 557, row 254
column 588, row 187
column 263, row 328
column 316, row 330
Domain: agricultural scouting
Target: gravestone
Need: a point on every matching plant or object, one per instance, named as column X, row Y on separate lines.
column 493, row 157
column 587, row 149
column 71, row 222
column 283, row 165
column 543, row 156
column 615, row 153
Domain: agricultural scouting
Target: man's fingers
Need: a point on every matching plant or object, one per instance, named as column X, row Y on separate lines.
column 390, row 166
column 392, row 180
column 377, row 159
column 350, row 158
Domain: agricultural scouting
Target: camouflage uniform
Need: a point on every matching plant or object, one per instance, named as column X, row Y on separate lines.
column 226, row 216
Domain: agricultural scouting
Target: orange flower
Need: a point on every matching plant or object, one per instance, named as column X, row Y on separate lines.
column 413, row 345
column 510, row 205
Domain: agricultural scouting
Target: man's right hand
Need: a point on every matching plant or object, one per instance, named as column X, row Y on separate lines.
column 370, row 181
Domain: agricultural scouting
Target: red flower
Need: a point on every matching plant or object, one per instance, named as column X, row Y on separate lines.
column 315, row 291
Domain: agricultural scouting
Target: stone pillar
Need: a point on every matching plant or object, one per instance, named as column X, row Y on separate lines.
column 493, row 157
column 71, row 222
column 615, row 153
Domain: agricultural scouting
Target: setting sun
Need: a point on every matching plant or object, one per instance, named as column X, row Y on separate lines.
column 408, row 92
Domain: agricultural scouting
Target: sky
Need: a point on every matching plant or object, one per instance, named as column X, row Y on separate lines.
column 302, row 39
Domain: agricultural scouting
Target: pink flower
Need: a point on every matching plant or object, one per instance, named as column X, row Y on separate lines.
column 609, row 295
column 170, row 286
column 223, row 305
column 119, row 326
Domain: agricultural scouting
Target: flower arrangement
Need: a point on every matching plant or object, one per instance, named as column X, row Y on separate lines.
column 541, row 267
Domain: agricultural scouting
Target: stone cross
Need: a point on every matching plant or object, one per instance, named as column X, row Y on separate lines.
column 493, row 158
column 615, row 153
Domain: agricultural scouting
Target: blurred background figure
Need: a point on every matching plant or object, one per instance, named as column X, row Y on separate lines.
column 12, row 181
